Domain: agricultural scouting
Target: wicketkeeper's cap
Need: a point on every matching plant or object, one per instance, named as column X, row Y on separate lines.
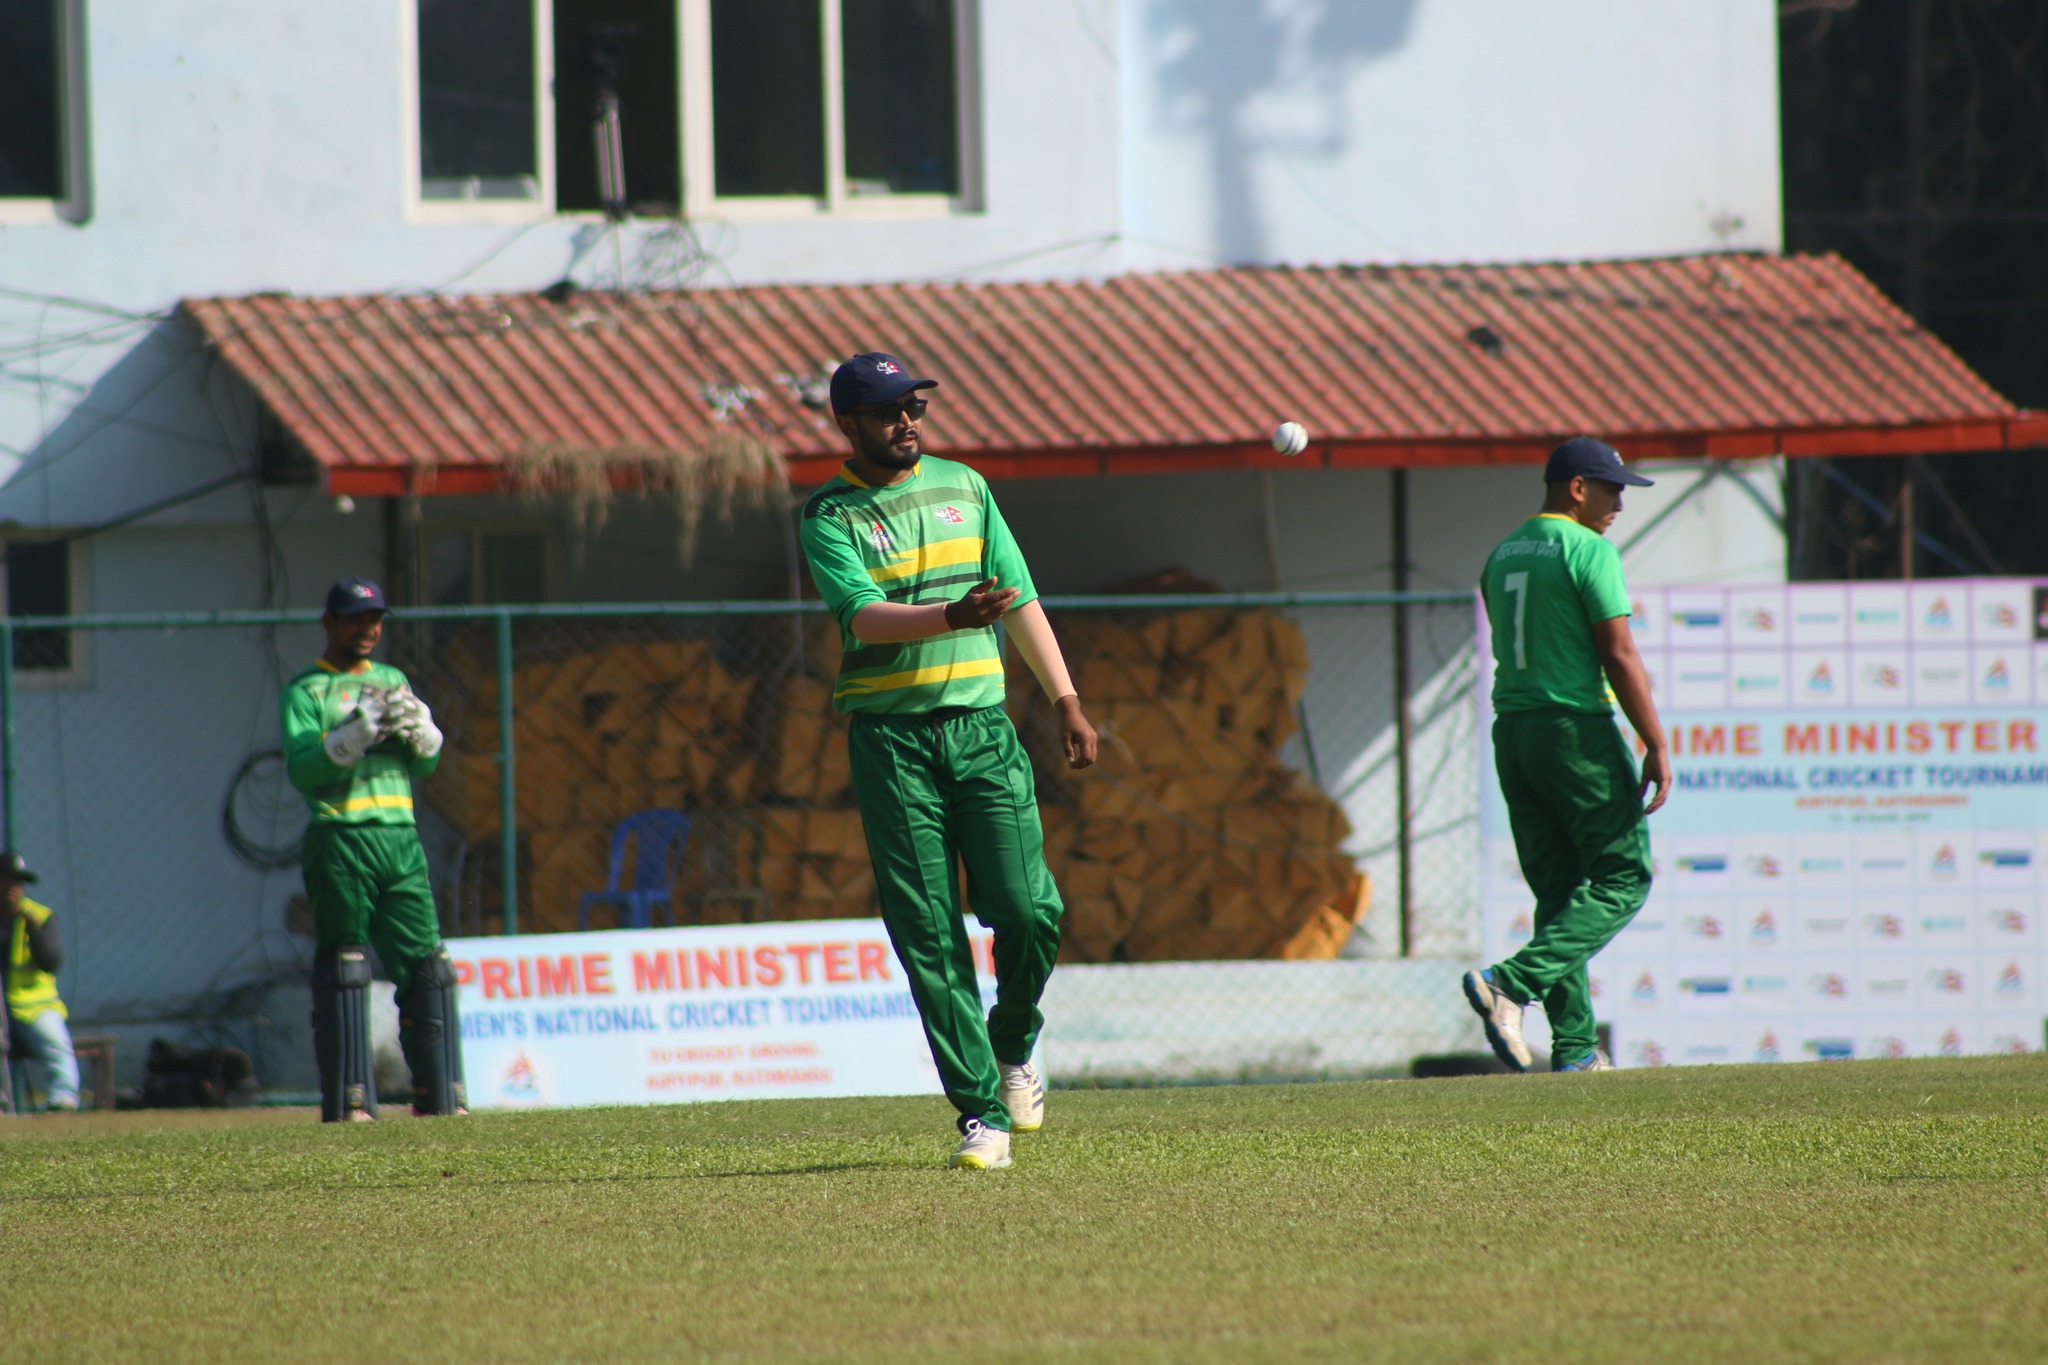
column 13, row 868
column 353, row 596
column 1582, row 455
column 873, row 378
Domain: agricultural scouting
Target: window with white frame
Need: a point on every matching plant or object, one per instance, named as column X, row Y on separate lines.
column 618, row 122
column 42, row 110
column 775, row 107
column 42, row 579
column 479, row 100
column 828, row 105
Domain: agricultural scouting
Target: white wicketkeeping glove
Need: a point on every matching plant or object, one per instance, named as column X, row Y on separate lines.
column 412, row 722
column 347, row 742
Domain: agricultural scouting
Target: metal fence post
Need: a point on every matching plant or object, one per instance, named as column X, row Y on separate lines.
column 7, row 726
column 1404, row 717
column 508, row 788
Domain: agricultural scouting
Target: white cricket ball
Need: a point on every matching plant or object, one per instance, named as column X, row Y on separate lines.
column 1290, row 438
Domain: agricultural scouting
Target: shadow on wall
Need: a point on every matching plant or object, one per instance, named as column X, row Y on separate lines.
column 157, row 422
column 1222, row 59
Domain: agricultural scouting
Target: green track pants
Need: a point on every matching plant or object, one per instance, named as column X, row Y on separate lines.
column 368, row 884
column 939, row 791
column 1574, row 806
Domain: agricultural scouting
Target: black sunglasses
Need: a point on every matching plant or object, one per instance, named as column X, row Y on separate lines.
column 913, row 408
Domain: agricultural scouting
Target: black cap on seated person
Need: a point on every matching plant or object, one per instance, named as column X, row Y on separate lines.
column 14, row 868
column 873, row 377
column 1582, row 456
column 353, row 596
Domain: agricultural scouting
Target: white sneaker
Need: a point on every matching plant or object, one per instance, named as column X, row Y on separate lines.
column 1502, row 1017
column 1023, row 1093
column 982, row 1149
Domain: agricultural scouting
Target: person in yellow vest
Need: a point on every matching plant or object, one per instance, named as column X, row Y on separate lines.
column 37, row 1015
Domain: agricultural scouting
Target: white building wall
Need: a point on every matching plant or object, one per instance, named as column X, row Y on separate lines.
column 1447, row 130
column 245, row 145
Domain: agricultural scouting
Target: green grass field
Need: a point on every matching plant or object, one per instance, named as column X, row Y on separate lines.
column 1853, row 1211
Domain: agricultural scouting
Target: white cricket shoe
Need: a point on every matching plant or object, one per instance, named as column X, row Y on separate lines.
column 1023, row 1093
column 982, row 1149
column 1502, row 1017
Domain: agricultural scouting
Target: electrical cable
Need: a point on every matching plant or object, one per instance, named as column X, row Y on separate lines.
column 250, row 779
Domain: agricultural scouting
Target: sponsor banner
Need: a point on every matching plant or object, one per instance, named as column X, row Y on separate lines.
column 646, row 1016
column 1850, row 862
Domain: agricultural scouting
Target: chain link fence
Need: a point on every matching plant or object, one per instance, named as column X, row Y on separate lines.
column 1248, row 805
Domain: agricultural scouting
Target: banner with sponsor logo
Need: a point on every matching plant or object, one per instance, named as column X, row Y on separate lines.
column 746, row 1011
column 1849, row 864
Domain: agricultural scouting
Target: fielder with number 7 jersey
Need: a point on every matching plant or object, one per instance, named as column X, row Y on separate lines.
column 1557, row 613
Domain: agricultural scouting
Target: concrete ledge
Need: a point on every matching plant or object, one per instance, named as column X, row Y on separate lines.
column 1249, row 1021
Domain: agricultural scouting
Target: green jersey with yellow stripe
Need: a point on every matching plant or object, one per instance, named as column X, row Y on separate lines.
column 927, row 539
column 378, row 789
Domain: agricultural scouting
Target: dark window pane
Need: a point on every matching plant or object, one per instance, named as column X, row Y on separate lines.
column 515, row 567
column 768, row 97
column 31, row 141
column 447, row 564
column 641, row 36
column 39, row 584
column 476, row 99
column 902, row 102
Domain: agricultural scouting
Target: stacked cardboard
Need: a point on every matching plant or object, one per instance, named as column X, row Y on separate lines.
column 609, row 729
column 1190, row 840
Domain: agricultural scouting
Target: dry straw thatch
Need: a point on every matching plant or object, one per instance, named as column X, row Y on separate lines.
column 729, row 470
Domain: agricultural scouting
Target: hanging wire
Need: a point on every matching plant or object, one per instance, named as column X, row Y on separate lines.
column 258, row 789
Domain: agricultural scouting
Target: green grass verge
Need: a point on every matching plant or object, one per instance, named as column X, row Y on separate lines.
column 1865, row 1211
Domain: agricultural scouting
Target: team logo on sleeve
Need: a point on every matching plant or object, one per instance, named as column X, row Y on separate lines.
column 878, row 536
column 949, row 514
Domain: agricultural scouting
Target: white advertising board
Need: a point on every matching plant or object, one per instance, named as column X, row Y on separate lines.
column 646, row 1016
column 1849, row 864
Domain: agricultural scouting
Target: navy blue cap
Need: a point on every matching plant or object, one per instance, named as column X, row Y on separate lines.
column 353, row 596
column 873, row 378
column 1582, row 455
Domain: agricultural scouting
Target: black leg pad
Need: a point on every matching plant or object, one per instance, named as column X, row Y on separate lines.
column 433, row 1037
column 341, row 1032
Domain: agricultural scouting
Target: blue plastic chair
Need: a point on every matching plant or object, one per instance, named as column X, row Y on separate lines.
column 657, row 836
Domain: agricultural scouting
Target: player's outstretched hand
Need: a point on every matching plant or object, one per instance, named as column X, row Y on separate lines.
column 1656, row 773
column 983, row 605
column 1076, row 734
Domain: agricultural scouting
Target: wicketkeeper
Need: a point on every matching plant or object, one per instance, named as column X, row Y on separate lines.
column 912, row 556
column 354, row 738
column 1557, row 613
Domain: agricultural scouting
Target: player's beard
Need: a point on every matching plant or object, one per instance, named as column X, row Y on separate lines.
column 881, row 451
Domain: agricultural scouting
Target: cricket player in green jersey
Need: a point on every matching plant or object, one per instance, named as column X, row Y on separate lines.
column 354, row 738
column 916, row 564
column 1557, row 612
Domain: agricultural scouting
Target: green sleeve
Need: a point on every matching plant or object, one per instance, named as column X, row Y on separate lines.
column 842, row 578
column 1601, row 586
column 305, row 760
column 1000, row 557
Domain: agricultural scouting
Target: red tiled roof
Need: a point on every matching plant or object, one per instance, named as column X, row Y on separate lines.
column 1724, row 355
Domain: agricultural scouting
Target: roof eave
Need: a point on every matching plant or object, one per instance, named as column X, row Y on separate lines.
column 2027, row 429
